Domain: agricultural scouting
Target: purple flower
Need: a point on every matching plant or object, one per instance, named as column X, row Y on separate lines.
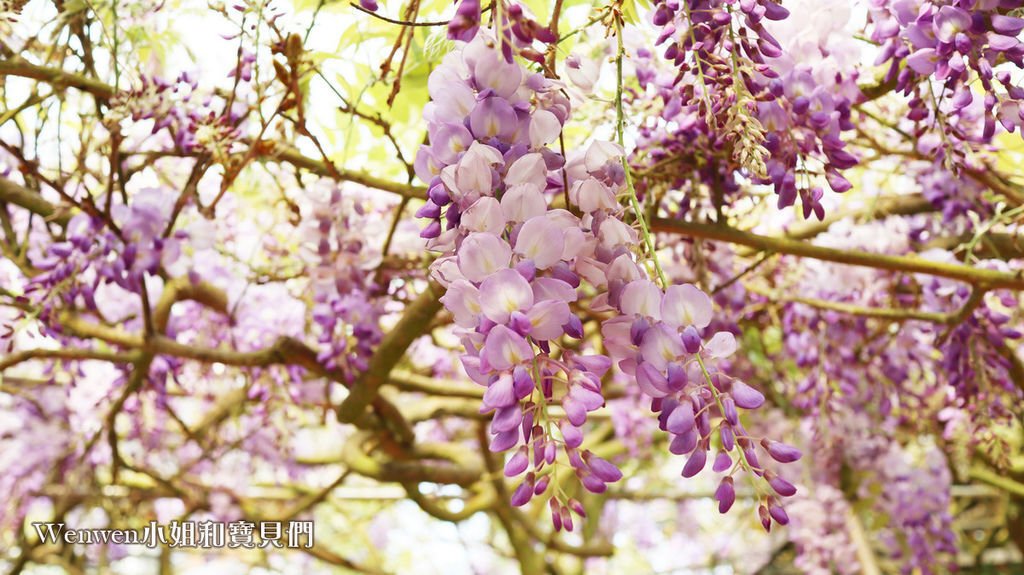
column 542, row 241
column 522, row 495
column 780, row 485
column 504, row 292
column 950, row 21
column 722, row 462
column 505, row 349
column 464, row 25
column 684, row 305
column 725, row 495
column 745, row 396
column 681, row 420
column 780, row 451
column 695, row 463
column 483, row 254
column 777, row 512
column 924, row 61
column 604, row 469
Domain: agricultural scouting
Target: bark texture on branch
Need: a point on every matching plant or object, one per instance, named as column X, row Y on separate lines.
column 414, row 323
column 984, row 278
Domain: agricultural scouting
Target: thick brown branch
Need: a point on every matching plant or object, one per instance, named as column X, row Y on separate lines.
column 482, row 501
column 12, row 359
column 286, row 350
column 1016, row 367
column 980, row 277
column 414, row 382
column 993, row 245
column 876, row 209
column 21, row 196
column 328, row 556
column 895, row 314
column 877, row 90
column 460, row 472
column 1006, row 484
column 56, row 77
column 413, row 324
column 181, row 289
column 995, row 182
column 321, row 168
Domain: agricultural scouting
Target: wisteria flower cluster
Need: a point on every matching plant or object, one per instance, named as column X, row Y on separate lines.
column 953, row 43
column 509, row 263
column 517, row 30
column 216, row 301
column 907, row 485
column 95, row 253
column 819, row 531
column 190, row 118
column 347, row 308
column 512, row 265
column 658, row 338
column 736, row 89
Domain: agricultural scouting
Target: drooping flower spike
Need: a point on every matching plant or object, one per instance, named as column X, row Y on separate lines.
column 949, row 56
column 513, row 265
column 736, row 89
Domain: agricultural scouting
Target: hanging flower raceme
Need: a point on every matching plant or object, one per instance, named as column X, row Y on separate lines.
column 195, row 121
column 953, row 43
column 93, row 253
column 348, row 305
column 737, row 91
column 512, row 265
column 518, row 30
column 657, row 339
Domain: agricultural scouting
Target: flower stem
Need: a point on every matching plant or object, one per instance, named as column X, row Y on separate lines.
column 634, row 203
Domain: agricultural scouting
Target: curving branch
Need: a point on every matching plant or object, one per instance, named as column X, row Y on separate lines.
column 996, row 480
column 457, row 471
column 55, row 77
column 993, row 245
column 263, row 149
column 893, row 314
column 987, row 279
column 332, row 558
column 877, row 208
column 322, row 168
column 67, row 354
column 415, row 322
column 481, row 501
column 21, row 196
column 414, row 382
column 284, row 351
column 184, row 289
